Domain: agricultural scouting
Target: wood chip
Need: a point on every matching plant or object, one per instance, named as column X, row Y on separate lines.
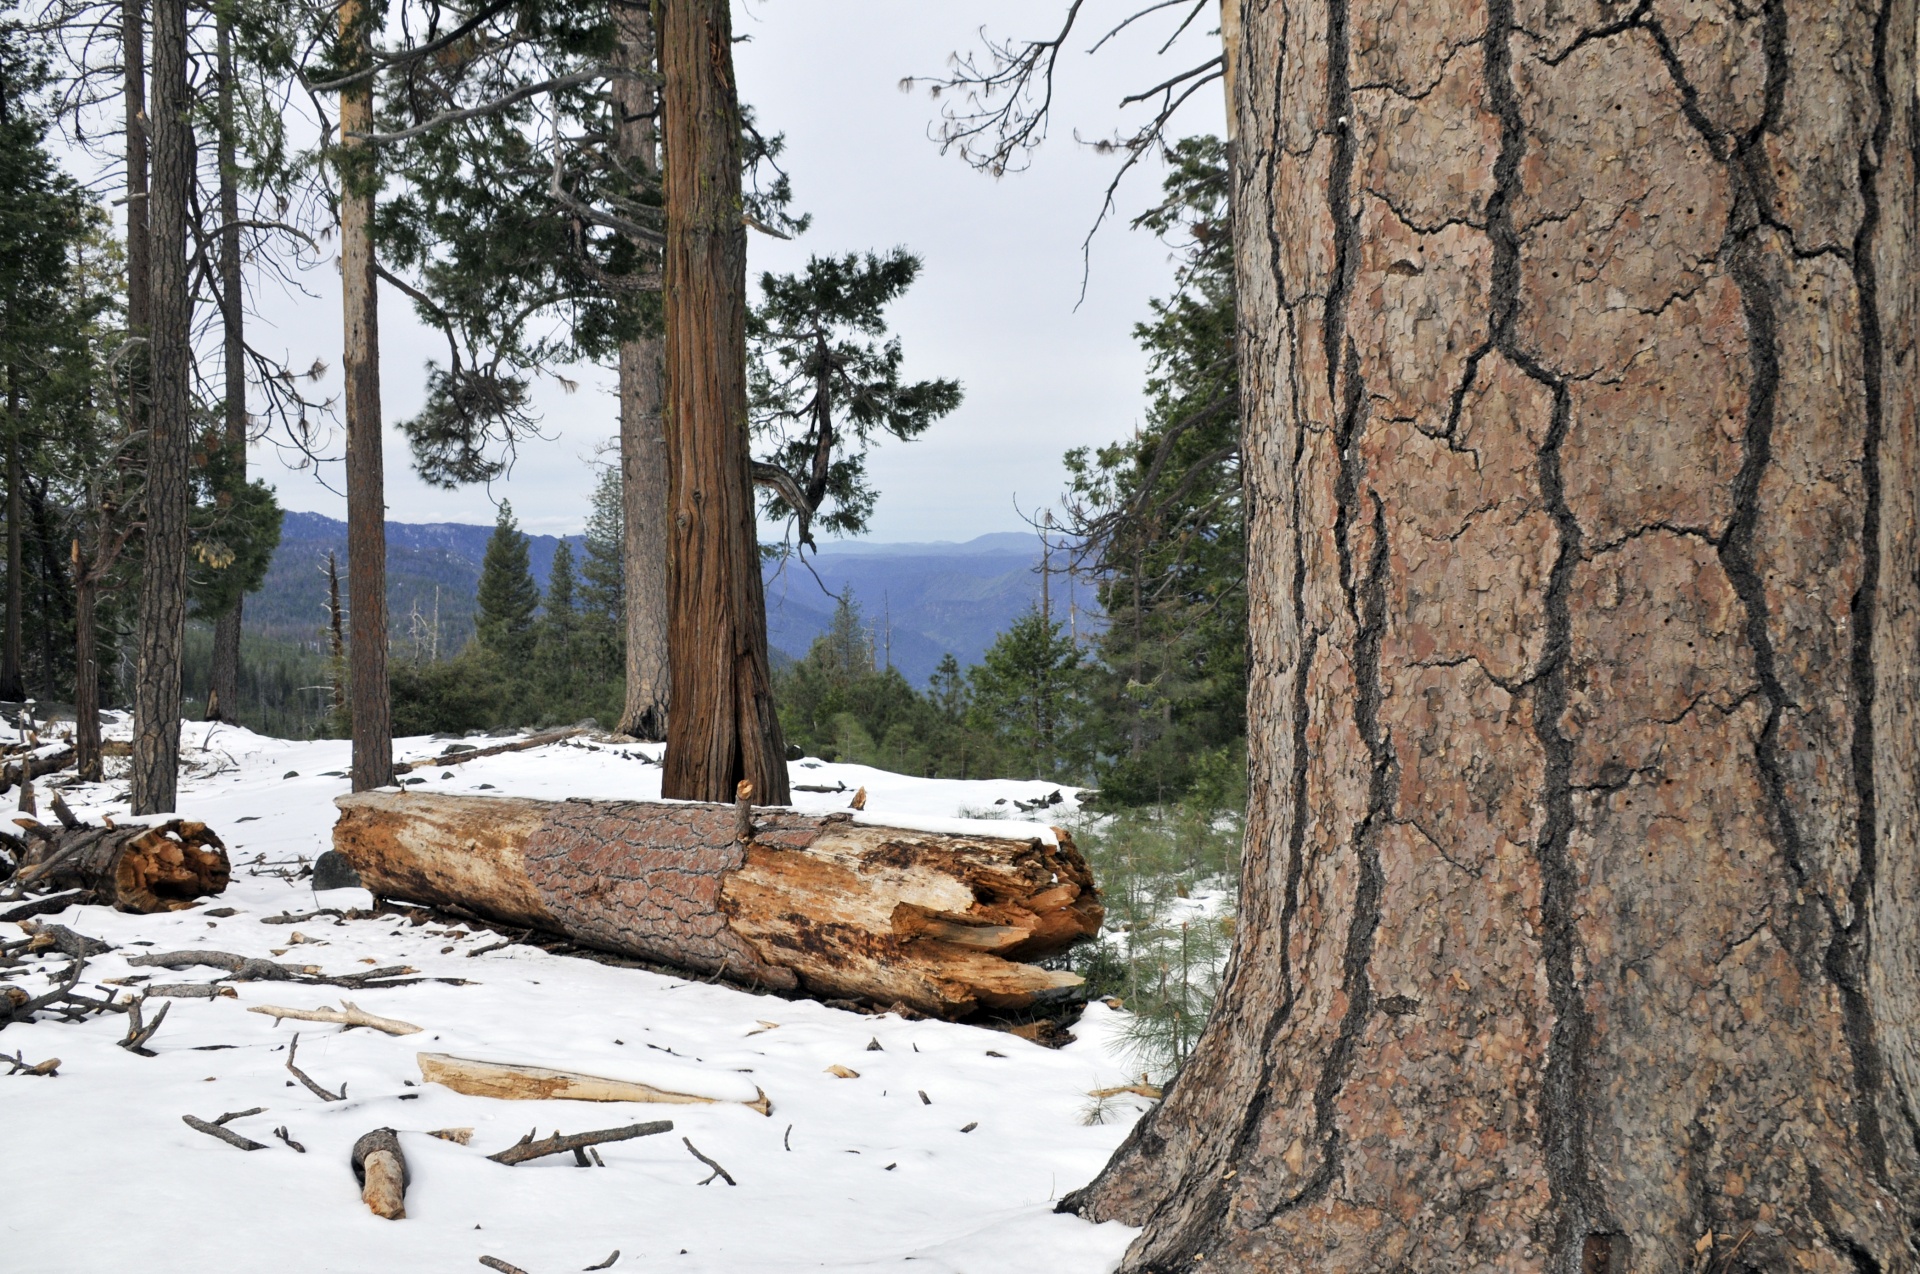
column 842, row 1071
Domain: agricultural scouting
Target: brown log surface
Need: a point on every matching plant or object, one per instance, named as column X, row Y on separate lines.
column 937, row 921
column 138, row 869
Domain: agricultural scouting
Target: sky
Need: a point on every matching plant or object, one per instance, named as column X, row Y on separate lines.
column 998, row 305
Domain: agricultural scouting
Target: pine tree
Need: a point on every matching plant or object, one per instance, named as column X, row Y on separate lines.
column 1026, row 694
column 602, row 579
column 507, row 595
column 558, row 668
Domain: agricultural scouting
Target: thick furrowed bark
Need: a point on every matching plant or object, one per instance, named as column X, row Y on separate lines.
column 163, row 575
column 1578, row 928
column 722, row 729
column 940, row 923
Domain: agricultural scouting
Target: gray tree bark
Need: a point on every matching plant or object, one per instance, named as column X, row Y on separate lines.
column 1582, row 438
column 224, row 685
column 163, row 572
column 643, row 439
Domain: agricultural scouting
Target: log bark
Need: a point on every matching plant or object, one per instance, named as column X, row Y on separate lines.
column 722, row 729
column 369, row 699
column 139, row 869
column 163, row 571
column 820, row 904
column 1582, row 450
column 643, row 438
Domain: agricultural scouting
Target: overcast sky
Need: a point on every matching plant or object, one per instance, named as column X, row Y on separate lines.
column 995, row 306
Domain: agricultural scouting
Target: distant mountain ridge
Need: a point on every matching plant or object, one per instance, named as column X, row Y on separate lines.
column 922, row 601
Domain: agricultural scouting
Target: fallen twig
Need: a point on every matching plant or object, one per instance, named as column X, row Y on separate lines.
column 718, row 1171
column 348, row 1015
column 215, row 1130
column 48, row 905
column 232, row 1115
column 281, row 1133
column 302, row 1076
column 527, row 1148
column 22, row 1067
column 189, row 991
column 606, row 1264
column 495, row 1263
column 138, row 1034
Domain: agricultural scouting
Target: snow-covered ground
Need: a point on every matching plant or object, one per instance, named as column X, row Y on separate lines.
column 847, row 1174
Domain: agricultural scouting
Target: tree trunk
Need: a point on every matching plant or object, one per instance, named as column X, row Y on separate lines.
column 223, row 690
column 643, row 439
column 13, row 686
column 86, row 670
column 366, row 478
column 941, row 923
column 722, row 729
column 1578, row 929
column 163, row 571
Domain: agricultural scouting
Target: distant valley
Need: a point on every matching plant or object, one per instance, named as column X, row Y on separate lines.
column 921, row 601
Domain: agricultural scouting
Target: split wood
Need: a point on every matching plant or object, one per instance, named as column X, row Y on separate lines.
column 303, row 1077
column 215, row 1130
column 515, row 1082
column 718, row 1171
column 527, row 1148
column 1138, row 1090
column 381, row 1169
column 348, row 1015
column 474, row 754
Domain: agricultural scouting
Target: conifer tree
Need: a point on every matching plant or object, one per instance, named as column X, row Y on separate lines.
column 507, row 595
column 602, row 579
column 559, row 630
column 1025, row 692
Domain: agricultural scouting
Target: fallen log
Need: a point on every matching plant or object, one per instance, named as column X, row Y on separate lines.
column 939, row 922
column 466, row 754
column 527, row 1148
column 34, row 766
column 515, row 1082
column 381, row 1169
column 138, row 869
column 348, row 1015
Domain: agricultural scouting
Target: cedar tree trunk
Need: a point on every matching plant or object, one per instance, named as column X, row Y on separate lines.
column 163, row 570
column 1578, row 930
column 722, row 729
column 643, row 439
column 366, row 477
column 86, row 670
column 223, row 691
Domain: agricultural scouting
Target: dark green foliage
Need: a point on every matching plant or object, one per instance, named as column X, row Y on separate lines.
column 825, row 379
column 603, row 596
column 234, row 525
column 507, row 597
column 1027, row 696
column 1162, row 525
column 286, row 689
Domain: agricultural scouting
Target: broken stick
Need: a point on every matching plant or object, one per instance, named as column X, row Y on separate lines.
column 348, row 1015
column 226, row 1135
column 527, row 1148
column 515, row 1082
column 381, row 1170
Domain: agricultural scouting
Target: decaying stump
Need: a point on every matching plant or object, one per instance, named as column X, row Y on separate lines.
column 139, row 869
column 941, row 923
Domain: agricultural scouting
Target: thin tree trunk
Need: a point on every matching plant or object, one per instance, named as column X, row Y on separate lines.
column 643, row 439
column 13, row 685
column 223, row 690
column 366, row 477
column 722, row 730
column 163, row 574
column 86, row 671
column 139, row 263
column 1578, row 931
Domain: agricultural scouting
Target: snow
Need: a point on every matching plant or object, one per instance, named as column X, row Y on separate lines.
column 847, row 1174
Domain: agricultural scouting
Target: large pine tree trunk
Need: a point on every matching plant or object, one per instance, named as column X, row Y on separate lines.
column 163, row 572
column 224, row 685
column 643, row 439
column 722, row 729
column 1579, row 926
column 368, row 701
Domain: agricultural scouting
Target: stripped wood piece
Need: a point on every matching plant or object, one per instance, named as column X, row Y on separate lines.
column 514, row 1082
column 381, row 1170
column 942, row 923
column 348, row 1015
